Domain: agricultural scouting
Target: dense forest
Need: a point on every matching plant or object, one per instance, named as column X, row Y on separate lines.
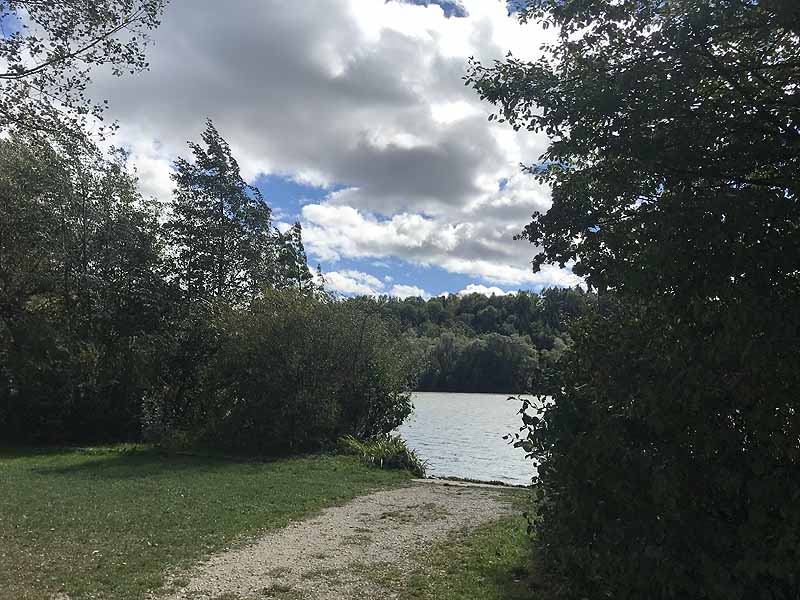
column 198, row 322
column 124, row 318
column 475, row 343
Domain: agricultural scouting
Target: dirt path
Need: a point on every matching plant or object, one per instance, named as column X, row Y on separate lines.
column 327, row 557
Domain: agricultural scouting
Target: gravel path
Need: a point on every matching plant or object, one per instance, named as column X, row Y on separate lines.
column 326, row 557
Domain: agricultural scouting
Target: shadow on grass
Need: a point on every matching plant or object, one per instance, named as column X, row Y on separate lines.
column 513, row 584
column 134, row 466
column 122, row 462
column 490, row 562
column 136, row 461
column 12, row 453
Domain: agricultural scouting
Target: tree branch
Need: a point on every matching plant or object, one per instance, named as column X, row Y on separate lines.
column 16, row 75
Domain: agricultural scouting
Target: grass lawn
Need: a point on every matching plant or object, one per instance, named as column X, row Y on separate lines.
column 106, row 523
column 491, row 562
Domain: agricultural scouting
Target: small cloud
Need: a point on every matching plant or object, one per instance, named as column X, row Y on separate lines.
column 362, row 277
column 475, row 288
column 278, row 214
column 354, row 283
column 408, row 291
column 282, row 226
column 357, row 283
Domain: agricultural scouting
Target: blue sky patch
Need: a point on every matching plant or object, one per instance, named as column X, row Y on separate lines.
column 9, row 23
column 286, row 197
column 434, row 280
column 515, row 6
column 451, row 8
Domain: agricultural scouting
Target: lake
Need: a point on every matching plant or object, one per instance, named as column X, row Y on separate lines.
column 461, row 435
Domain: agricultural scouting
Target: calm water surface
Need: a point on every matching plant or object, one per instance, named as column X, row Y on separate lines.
column 461, row 435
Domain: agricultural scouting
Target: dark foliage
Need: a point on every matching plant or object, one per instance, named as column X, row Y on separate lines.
column 207, row 329
column 668, row 463
column 669, row 454
column 80, row 293
column 293, row 371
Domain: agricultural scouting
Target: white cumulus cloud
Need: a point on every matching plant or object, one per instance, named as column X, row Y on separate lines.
column 352, row 283
column 408, row 291
column 364, row 94
column 474, row 288
column 356, row 283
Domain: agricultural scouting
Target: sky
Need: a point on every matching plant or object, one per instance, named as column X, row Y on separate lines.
column 351, row 116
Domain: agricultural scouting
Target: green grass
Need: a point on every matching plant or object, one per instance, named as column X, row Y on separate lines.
column 106, row 523
column 491, row 562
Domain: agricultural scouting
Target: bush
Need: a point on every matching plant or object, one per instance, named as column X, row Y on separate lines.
column 294, row 372
column 668, row 459
column 385, row 452
column 58, row 389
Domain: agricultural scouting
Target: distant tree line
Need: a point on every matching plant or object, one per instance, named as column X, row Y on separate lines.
column 197, row 321
column 475, row 343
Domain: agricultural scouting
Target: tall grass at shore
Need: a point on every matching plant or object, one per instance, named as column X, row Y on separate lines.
column 385, row 452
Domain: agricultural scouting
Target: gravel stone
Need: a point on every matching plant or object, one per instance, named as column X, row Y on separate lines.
column 327, row 557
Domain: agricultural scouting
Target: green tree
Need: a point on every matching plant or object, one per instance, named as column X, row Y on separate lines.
column 486, row 319
column 458, row 342
column 292, row 263
column 220, row 230
column 668, row 459
column 674, row 134
column 81, row 295
column 48, row 49
column 224, row 255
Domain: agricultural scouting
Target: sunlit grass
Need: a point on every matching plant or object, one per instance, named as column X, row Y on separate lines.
column 106, row 523
column 491, row 562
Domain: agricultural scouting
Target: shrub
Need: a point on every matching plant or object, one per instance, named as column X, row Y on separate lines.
column 385, row 452
column 670, row 455
column 293, row 372
column 668, row 462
